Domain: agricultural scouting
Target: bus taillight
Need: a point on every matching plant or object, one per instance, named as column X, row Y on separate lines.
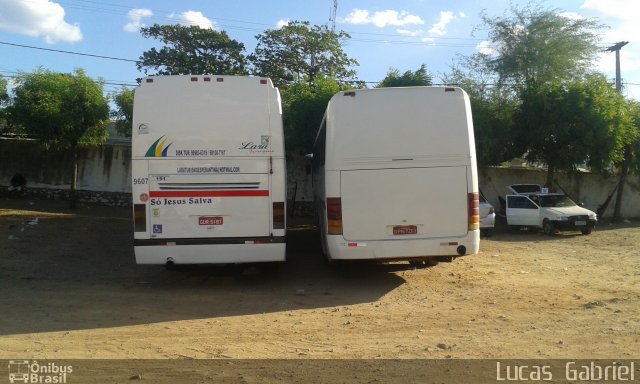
column 334, row 215
column 278, row 215
column 474, row 211
column 140, row 217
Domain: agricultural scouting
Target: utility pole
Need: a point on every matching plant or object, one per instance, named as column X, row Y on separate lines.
column 616, row 48
column 624, row 171
column 332, row 18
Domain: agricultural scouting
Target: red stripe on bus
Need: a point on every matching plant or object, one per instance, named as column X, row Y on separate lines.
column 239, row 193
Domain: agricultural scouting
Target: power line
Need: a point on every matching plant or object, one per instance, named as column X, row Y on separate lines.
column 15, row 75
column 69, row 52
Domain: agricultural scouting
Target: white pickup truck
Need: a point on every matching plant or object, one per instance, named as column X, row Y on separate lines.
column 552, row 212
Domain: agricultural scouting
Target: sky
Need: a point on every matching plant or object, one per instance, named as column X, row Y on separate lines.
column 385, row 34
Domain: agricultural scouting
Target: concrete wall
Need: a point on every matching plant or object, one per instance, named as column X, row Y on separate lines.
column 104, row 173
column 106, row 168
column 588, row 188
column 105, row 177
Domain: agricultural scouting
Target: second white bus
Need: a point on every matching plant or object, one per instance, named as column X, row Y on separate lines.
column 395, row 175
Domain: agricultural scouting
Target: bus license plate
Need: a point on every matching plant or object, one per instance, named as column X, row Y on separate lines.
column 405, row 230
column 210, row 220
column 581, row 223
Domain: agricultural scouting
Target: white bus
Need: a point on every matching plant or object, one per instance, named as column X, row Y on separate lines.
column 208, row 170
column 395, row 175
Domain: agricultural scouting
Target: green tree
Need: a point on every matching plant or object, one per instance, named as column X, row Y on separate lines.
column 123, row 115
column 536, row 51
column 191, row 50
column 4, row 95
column 5, row 127
column 630, row 163
column 535, row 46
column 493, row 127
column 64, row 111
column 420, row 77
column 299, row 50
column 474, row 75
column 565, row 125
column 492, row 108
column 634, row 147
column 304, row 107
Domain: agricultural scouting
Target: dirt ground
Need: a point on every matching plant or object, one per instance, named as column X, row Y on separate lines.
column 71, row 290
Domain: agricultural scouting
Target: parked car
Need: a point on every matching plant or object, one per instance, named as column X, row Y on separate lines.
column 487, row 217
column 524, row 189
column 551, row 212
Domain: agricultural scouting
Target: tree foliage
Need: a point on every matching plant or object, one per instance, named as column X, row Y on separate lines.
column 634, row 146
column 534, row 46
column 4, row 95
column 564, row 125
column 492, row 108
column 191, row 50
column 64, row 111
column 493, row 127
column 301, row 51
column 123, row 114
column 419, row 77
column 4, row 101
column 304, row 107
column 474, row 74
column 536, row 96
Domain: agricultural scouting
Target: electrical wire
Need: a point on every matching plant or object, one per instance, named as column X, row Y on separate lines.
column 68, row 52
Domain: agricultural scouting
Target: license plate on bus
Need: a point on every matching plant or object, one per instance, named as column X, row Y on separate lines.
column 580, row 223
column 405, row 230
column 210, row 220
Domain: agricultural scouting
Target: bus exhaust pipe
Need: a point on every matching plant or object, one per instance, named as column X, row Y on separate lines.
column 462, row 250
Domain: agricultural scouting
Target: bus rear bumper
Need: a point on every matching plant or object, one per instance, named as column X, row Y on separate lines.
column 341, row 249
column 250, row 252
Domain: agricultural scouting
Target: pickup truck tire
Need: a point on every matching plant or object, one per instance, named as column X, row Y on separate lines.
column 586, row 231
column 548, row 228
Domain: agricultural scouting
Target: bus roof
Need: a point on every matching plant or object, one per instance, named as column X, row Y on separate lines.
column 222, row 114
column 430, row 125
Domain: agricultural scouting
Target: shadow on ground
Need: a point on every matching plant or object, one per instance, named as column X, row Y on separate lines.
column 78, row 272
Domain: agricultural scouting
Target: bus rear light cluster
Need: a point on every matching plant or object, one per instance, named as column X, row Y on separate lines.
column 278, row 215
column 140, row 217
column 474, row 211
column 334, row 215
